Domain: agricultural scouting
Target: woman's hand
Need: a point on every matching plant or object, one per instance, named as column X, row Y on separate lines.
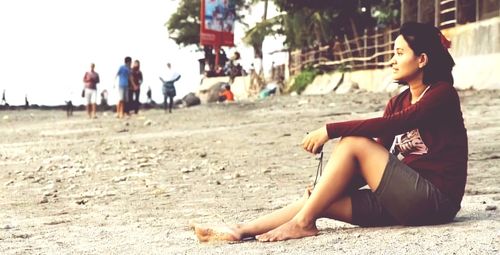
column 314, row 141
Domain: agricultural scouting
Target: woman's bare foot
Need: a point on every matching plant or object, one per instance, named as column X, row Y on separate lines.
column 223, row 233
column 289, row 230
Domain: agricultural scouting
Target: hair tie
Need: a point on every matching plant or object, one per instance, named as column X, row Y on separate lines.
column 444, row 41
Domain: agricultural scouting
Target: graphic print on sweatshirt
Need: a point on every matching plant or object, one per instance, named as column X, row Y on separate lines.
column 409, row 143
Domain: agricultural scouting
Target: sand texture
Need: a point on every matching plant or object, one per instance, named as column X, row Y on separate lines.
column 132, row 186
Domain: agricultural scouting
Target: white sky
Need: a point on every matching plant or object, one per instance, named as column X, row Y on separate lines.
column 46, row 47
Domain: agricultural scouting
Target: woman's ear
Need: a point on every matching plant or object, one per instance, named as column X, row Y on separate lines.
column 422, row 60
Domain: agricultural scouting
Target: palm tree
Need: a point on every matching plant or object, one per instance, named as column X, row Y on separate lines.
column 255, row 37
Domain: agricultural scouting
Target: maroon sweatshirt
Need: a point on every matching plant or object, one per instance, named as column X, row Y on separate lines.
column 439, row 152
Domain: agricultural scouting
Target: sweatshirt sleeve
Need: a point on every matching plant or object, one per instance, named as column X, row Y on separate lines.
column 387, row 140
column 431, row 108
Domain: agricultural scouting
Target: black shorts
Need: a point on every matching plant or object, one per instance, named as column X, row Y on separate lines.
column 170, row 94
column 402, row 197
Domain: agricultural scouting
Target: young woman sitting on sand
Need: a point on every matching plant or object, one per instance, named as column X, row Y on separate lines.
column 424, row 124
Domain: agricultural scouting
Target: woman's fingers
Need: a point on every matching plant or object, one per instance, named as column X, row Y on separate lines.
column 310, row 146
column 307, row 143
column 317, row 148
column 313, row 142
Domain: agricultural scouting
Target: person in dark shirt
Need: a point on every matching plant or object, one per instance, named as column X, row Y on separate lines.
column 423, row 125
column 135, row 89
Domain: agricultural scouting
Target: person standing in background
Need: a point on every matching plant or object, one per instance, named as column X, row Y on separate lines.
column 149, row 94
column 104, row 100
column 135, row 89
column 123, row 83
column 4, row 102
column 26, row 102
column 90, row 80
column 169, row 91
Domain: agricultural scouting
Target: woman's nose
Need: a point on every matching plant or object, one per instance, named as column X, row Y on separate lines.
column 393, row 60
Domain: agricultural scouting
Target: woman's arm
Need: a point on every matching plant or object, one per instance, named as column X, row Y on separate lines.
column 387, row 140
column 433, row 107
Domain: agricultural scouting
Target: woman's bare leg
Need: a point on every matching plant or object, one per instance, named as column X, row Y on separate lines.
column 352, row 155
column 333, row 184
column 340, row 210
column 255, row 227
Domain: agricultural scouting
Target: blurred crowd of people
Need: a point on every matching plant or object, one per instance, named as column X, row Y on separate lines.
column 225, row 67
column 130, row 79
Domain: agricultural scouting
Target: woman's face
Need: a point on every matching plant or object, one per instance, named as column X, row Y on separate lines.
column 405, row 65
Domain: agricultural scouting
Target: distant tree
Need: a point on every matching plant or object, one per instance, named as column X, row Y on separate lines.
column 386, row 12
column 184, row 24
column 255, row 35
column 304, row 23
column 315, row 21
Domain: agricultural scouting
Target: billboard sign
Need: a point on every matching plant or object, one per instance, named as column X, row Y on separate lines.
column 217, row 22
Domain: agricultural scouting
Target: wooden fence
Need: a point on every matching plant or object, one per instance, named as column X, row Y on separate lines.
column 370, row 51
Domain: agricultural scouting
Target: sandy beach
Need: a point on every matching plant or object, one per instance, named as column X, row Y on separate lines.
column 108, row 186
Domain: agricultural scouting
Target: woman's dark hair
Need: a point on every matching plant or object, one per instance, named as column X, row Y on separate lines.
column 425, row 38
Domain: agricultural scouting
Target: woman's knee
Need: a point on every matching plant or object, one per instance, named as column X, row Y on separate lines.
column 355, row 142
column 362, row 148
